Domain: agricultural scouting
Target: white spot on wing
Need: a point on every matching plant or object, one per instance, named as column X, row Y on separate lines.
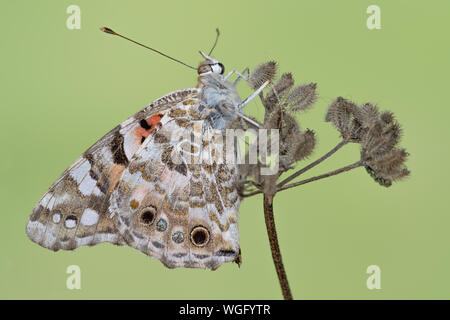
column 106, row 237
column 46, row 198
column 89, row 217
column 87, row 185
column 50, row 236
column 70, row 223
column 35, row 229
column 130, row 145
column 80, row 172
column 51, row 203
column 84, row 241
column 56, row 218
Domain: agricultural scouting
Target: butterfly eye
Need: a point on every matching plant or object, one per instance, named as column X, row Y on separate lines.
column 203, row 68
column 148, row 215
column 217, row 68
column 222, row 67
column 200, row 236
column 210, row 67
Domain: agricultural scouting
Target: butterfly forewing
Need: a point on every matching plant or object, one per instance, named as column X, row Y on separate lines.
column 73, row 211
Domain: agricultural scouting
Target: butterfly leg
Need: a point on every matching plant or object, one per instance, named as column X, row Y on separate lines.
column 253, row 95
column 241, row 75
column 236, row 110
column 243, row 116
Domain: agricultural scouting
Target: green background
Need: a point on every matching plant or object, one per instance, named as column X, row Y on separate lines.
column 62, row 89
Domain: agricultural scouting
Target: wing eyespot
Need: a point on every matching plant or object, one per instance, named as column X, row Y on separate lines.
column 147, row 215
column 199, row 236
column 161, row 225
column 178, row 237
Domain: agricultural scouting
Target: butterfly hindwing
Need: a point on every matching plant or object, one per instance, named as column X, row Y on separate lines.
column 181, row 212
column 73, row 212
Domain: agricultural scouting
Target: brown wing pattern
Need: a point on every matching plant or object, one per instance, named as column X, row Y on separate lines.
column 182, row 213
column 73, row 212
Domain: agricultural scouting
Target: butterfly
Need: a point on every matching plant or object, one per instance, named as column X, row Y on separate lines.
column 134, row 186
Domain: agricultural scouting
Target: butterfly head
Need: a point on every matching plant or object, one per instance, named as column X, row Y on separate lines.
column 210, row 66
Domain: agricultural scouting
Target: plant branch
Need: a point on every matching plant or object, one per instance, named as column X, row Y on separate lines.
column 250, row 194
column 325, row 175
column 313, row 164
column 273, row 240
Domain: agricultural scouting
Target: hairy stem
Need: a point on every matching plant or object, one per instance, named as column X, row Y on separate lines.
column 273, row 240
column 325, row 175
column 313, row 164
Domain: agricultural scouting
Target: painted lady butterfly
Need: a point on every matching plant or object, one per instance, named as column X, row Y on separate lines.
column 127, row 189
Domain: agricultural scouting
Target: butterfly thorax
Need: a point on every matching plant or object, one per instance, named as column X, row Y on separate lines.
column 217, row 94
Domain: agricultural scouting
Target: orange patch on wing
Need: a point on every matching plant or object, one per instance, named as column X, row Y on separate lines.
column 134, row 204
column 114, row 175
column 153, row 121
column 142, row 133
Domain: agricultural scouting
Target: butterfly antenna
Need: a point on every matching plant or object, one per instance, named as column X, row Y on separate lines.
column 215, row 42
column 110, row 31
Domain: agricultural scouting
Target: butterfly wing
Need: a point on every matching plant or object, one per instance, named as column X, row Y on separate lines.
column 73, row 212
column 184, row 213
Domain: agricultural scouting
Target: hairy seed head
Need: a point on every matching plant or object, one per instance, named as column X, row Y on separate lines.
column 262, row 73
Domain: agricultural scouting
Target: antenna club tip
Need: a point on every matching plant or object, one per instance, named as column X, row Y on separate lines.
column 107, row 30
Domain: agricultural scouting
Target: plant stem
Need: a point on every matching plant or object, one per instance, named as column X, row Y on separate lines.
column 253, row 193
column 313, row 164
column 325, row 175
column 273, row 240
